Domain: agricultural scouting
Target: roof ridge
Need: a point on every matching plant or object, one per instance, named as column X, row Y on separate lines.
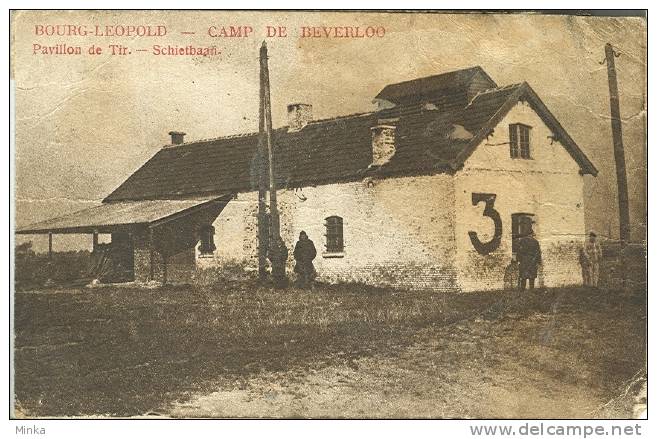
column 493, row 90
column 255, row 133
column 437, row 74
column 503, row 87
column 211, row 139
column 346, row 116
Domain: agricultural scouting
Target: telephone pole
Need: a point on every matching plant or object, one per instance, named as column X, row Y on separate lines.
column 274, row 225
column 619, row 156
column 263, row 223
column 276, row 255
column 644, row 177
column 619, row 151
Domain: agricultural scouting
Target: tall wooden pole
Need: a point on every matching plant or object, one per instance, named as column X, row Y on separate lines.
column 644, row 176
column 619, row 152
column 619, row 156
column 50, row 265
column 278, row 268
column 151, row 256
column 263, row 180
column 273, row 208
column 49, row 245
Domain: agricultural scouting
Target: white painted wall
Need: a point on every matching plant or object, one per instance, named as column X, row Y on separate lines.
column 548, row 185
column 397, row 232
column 413, row 231
column 235, row 234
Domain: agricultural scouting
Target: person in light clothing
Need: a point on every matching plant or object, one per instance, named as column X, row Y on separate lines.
column 593, row 254
column 586, row 267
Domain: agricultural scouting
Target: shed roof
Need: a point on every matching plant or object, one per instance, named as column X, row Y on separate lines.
column 108, row 216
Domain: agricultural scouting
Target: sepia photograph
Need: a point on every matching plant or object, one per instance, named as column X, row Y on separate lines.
column 304, row 214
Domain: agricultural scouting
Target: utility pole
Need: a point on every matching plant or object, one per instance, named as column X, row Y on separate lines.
column 619, row 156
column 644, row 177
column 263, row 223
column 276, row 255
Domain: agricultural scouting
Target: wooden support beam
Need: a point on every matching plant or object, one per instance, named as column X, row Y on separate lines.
column 151, row 275
column 49, row 245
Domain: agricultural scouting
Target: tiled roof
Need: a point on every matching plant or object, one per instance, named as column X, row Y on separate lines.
column 338, row 149
column 323, row 151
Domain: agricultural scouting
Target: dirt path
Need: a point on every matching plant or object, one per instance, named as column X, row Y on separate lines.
column 409, row 392
column 474, row 369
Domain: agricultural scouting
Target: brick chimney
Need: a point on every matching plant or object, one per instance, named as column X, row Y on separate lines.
column 177, row 137
column 383, row 141
column 298, row 116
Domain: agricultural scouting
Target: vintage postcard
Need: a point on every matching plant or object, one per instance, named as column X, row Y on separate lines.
column 329, row 214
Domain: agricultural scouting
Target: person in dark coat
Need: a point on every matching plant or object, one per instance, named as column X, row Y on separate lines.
column 278, row 255
column 529, row 258
column 304, row 253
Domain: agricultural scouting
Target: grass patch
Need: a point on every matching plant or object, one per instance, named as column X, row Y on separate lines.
column 124, row 352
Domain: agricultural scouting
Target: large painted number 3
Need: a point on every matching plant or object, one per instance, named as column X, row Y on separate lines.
column 484, row 248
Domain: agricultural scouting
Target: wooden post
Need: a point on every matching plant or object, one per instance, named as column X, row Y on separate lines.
column 273, row 208
column 95, row 241
column 49, row 245
column 49, row 265
column 263, row 224
column 151, row 275
column 278, row 268
column 644, row 178
column 619, row 156
column 165, row 268
column 619, row 151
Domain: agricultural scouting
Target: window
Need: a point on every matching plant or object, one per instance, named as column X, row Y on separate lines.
column 207, row 246
column 334, row 238
column 521, row 225
column 519, row 140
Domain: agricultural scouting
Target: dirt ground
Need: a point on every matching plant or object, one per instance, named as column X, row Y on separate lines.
column 338, row 351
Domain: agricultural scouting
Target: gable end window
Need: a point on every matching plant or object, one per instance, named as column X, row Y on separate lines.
column 334, row 236
column 519, row 141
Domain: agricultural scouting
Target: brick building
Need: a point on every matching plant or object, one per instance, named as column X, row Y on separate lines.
column 428, row 191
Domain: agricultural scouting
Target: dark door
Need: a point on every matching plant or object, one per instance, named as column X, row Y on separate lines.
column 521, row 225
column 122, row 258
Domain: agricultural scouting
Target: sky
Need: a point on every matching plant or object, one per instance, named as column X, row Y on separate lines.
column 85, row 123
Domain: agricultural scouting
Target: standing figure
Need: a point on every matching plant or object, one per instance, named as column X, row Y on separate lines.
column 594, row 255
column 529, row 258
column 304, row 253
column 511, row 275
column 277, row 255
column 586, row 267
